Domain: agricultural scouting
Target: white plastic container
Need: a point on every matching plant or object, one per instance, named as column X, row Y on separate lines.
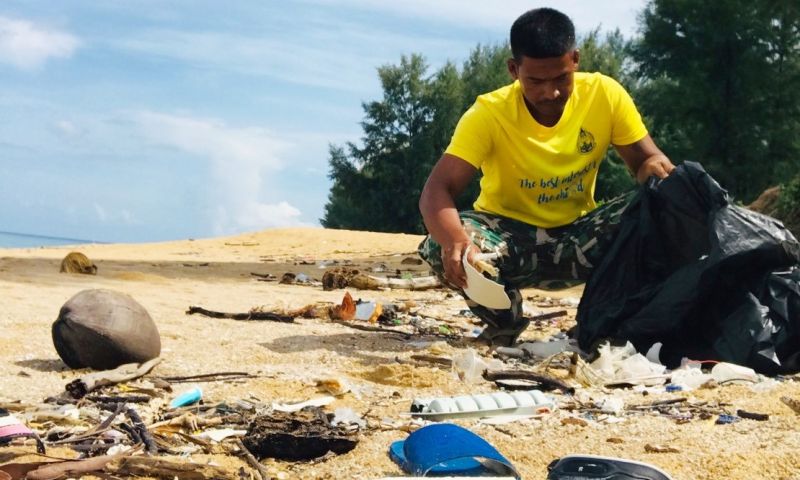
column 466, row 403
column 728, row 372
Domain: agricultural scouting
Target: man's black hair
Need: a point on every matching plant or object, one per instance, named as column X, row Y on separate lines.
column 542, row 33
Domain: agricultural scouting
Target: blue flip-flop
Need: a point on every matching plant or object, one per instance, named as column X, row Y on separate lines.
column 447, row 449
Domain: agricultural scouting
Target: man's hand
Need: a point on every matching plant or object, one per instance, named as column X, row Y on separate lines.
column 644, row 159
column 450, row 176
column 452, row 262
column 658, row 165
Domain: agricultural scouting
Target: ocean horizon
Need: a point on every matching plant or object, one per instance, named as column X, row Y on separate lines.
column 29, row 240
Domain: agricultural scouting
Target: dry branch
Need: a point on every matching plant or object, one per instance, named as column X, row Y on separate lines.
column 78, row 388
column 247, row 316
column 161, row 468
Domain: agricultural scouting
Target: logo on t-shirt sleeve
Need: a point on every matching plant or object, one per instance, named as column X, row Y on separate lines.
column 586, row 141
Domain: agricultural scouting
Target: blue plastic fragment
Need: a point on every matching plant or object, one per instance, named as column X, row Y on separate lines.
column 726, row 419
column 671, row 387
column 188, row 397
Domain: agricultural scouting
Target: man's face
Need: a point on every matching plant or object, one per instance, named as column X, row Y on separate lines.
column 546, row 82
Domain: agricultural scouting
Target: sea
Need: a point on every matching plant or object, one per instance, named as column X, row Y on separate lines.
column 28, row 240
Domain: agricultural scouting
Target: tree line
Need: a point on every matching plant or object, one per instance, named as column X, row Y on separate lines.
column 716, row 82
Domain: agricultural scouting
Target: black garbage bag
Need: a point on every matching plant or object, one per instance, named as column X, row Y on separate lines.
column 708, row 279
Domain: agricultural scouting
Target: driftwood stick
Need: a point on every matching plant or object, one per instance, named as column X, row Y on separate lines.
column 144, row 434
column 120, row 398
column 550, row 315
column 104, row 425
column 209, row 377
column 657, row 404
column 367, row 328
column 132, row 432
column 78, row 388
column 251, row 460
column 333, row 279
column 546, row 382
column 72, row 468
column 163, row 468
column 247, row 316
column 443, row 361
column 265, row 276
column 191, row 421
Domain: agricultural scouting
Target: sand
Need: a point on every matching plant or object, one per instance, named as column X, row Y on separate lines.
column 166, row 278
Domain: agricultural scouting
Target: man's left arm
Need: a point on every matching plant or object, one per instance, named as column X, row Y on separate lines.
column 645, row 159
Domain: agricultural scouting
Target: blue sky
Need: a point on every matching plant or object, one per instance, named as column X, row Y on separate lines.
column 131, row 121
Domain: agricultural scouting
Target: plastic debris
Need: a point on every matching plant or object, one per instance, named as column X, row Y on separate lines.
column 220, row 434
column 334, row 386
column 483, row 290
column 622, row 365
column 690, row 377
column 546, row 349
column 520, row 404
column 469, row 366
column 572, row 302
column 654, row 352
column 728, row 372
column 727, row 419
column 347, row 417
column 188, row 397
column 295, row 407
column 612, row 405
column 368, row 311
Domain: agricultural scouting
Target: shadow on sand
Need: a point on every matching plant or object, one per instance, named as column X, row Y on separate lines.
column 355, row 345
column 43, row 365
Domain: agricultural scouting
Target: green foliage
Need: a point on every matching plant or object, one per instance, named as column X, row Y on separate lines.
column 788, row 208
column 382, row 177
column 377, row 186
column 720, row 86
column 613, row 179
column 609, row 56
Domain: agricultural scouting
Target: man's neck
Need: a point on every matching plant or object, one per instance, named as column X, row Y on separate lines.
column 546, row 121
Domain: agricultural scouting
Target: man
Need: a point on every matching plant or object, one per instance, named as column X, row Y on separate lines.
column 538, row 143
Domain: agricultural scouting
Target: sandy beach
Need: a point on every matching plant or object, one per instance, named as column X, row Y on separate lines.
column 288, row 358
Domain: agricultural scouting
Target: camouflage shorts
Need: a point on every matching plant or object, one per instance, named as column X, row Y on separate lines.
column 546, row 258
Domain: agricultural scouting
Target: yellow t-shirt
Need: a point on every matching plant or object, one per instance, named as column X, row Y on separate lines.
column 544, row 176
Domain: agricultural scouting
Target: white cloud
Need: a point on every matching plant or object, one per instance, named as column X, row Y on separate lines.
column 303, row 59
column 68, row 128
column 239, row 158
column 100, row 212
column 28, row 46
column 255, row 215
column 123, row 216
column 254, row 147
column 482, row 14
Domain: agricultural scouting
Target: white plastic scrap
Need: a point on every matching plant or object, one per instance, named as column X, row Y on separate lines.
column 296, row 407
column 547, row 349
column 220, row 434
column 690, row 377
column 624, row 365
column 346, row 416
column 569, row 302
column 469, row 366
column 730, row 372
column 612, row 405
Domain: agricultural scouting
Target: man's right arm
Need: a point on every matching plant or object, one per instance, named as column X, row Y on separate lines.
column 447, row 180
